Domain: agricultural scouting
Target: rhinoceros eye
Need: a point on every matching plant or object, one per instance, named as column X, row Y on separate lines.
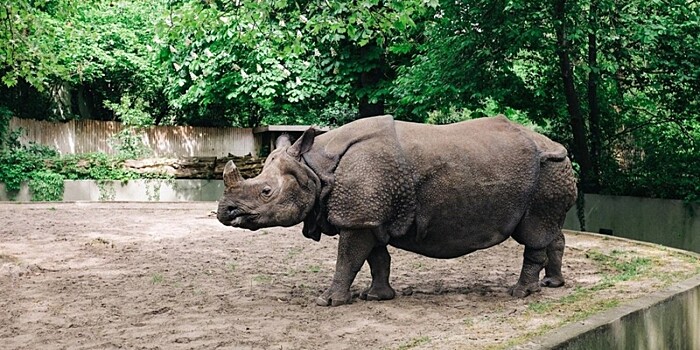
column 266, row 191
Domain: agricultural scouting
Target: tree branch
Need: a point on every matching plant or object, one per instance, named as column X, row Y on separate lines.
column 655, row 120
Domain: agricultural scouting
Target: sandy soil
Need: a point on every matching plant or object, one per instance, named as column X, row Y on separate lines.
column 169, row 276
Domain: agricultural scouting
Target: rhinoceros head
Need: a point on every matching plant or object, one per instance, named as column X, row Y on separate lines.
column 282, row 195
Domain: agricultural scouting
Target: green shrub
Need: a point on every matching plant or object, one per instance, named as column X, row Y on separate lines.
column 46, row 186
column 44, row 170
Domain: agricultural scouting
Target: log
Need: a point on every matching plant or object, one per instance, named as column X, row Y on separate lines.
column 195, row 167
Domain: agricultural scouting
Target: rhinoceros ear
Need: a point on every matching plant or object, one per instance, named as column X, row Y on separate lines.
column 304, row 143
column 283, row 141
column 231, row 174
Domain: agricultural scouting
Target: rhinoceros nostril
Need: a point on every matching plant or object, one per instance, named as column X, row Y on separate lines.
column 231, row 210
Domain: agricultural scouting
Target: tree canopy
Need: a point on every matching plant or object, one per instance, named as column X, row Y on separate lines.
column 617, row 82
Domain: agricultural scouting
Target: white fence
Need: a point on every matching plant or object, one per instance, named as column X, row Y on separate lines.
column 86, row 136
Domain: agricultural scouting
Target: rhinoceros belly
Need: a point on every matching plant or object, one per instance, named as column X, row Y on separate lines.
column 473, row 185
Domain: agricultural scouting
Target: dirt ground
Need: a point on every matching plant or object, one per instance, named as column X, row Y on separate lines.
column 170, row 276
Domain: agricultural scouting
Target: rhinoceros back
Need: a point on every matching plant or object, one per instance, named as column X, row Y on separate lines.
column 474, row 181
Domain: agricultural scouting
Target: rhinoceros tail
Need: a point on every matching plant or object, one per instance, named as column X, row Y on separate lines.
column 557, row 155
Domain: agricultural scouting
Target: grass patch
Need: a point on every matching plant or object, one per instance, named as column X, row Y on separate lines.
column 591, row 309
column 157, row 278
column 292, row 253
column 314, row 268
column 617, row 266
column 100, row 242
column 540, row 307
column 523, row 338
column 262, row 279
column 414, row 343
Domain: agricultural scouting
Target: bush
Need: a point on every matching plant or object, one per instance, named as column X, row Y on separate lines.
column 44, row 170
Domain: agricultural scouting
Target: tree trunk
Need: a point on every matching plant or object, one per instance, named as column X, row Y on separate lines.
column 192, row 167
column 593, row 105
column 578, row 127
column 370, row 80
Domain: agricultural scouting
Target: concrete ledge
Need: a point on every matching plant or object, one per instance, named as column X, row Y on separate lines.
column 143, row 190
column 667, row 319
column 133, row 191
column 24, row 195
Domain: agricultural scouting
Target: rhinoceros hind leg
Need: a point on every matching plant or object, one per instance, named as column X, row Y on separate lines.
column 553, row 277
column 379, row 264
column 533, row 262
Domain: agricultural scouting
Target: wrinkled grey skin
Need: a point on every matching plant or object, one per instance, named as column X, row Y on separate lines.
column 440, row 191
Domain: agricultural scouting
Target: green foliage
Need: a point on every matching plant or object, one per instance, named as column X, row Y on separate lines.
column 634, row 71
column 644, row 136
column 79, row 54
column 17, row 164
column 44, row 169
column 5, row 116
column 93, row 166
column 128, row 142
column 252, row 63
column 46, row 186
column 22, row 56
column 237, row 65
column 131, row 111
column 489, row 108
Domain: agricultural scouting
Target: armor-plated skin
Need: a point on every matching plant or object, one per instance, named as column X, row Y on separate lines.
column 440, row 191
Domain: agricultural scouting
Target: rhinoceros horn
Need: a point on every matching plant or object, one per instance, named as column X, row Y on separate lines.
column 231, row 174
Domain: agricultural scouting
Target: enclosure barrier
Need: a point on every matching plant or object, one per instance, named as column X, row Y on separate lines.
column 668, row 319
column 88, row 136
column 671, row 223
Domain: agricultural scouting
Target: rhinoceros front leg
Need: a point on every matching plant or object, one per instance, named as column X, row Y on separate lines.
column 354, row 247
column 380, row 265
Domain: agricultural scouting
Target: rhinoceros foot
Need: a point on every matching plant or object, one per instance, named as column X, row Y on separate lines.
column 332, row 297
column 552, row 281
column 378, row 293
column 521, row 291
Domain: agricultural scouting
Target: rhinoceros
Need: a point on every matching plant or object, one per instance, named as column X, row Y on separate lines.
column 440, row 191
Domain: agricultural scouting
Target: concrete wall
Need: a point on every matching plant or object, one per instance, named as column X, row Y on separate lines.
column 132, row 191
column 665, row 320
column 24, row 194
column 671, row 223
column 144, row 190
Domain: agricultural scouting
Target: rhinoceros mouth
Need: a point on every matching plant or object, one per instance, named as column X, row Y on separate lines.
column 240, row 219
